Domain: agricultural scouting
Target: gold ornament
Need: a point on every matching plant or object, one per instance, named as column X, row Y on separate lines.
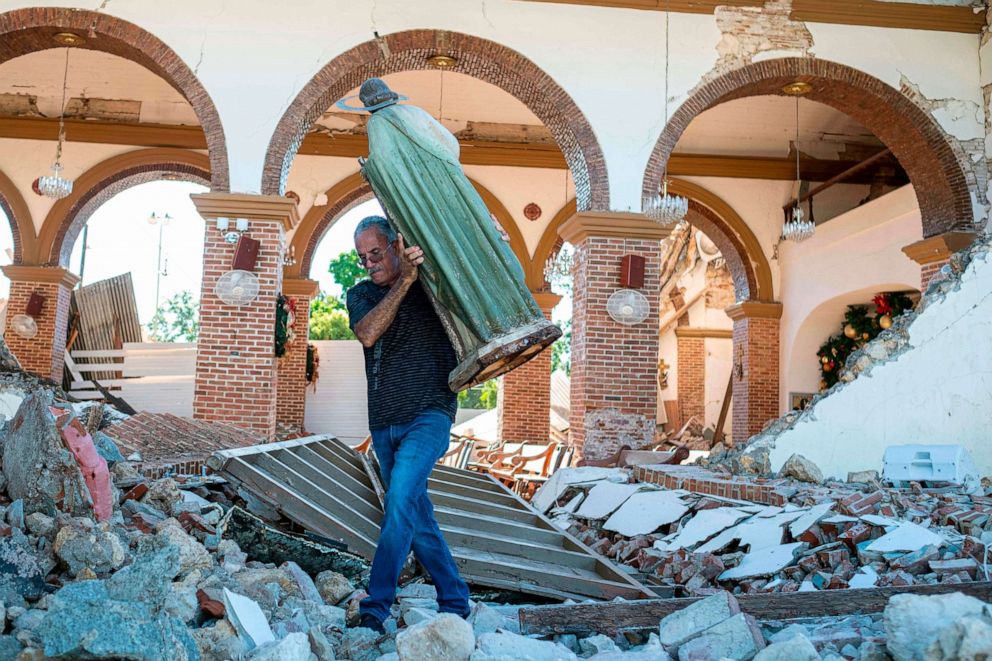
column 885, row 321
column 849, row 332
column 824, row 360
column 827, row 367
column 864, row 336
column 823, row 384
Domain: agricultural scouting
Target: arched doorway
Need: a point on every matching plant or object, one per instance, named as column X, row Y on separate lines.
column 475, row 57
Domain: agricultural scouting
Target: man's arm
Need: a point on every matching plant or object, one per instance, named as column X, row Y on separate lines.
column 370, row 328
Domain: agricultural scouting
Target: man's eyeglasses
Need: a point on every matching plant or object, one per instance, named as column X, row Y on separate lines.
column 373, row 256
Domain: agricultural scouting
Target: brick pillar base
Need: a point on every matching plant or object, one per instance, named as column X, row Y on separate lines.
column 524, row 407
column 43, row 354
column 235, row 361
column 291, row 379
column 932, row 253
column 614, row 398
column 756, row 367
column 692, row 374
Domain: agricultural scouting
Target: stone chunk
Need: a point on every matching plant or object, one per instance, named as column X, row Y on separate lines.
column 683, row 625
column 967, row 639
column 735, row 638
column 501, row 646
column 446, row 637
column 863, row 477
column 38, row 467
column 802, row 469
column 83, row 620
column 333, row 587
column 485, row 619
column 797, row 648
column 913, row 622
column 162, row 494
column 192, row 554
column 294, row 647
column 81, row 544
column 21, row 574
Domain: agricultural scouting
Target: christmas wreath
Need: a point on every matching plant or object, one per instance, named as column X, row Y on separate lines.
column 285, row 324
column 859, row 327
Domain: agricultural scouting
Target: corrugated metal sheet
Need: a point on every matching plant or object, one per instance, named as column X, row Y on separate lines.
column 106, row 316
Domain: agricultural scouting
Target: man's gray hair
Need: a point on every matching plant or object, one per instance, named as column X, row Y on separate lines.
column 377, row 223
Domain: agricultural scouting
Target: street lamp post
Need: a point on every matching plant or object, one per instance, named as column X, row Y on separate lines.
column 161, row 221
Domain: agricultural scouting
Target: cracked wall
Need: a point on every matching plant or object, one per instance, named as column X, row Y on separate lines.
column 928, row 379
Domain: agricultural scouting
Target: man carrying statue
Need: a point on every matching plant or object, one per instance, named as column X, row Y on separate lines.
column 445, row 307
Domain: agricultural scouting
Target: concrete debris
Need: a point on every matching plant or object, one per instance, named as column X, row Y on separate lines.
column 797, row 648
column 446, row 637
column 605, row 498
column 913, row 623
column 736, row 637
column 684, row 625
column 559, row 482
column 802, row 469
column 757, row 535
column 645, row 512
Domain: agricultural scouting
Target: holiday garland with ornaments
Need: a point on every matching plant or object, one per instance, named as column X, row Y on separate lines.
column 860, row 327
column 285, row 324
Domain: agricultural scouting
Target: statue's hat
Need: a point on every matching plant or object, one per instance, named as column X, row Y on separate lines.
column 373, row 94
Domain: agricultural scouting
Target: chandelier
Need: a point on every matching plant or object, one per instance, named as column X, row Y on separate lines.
column 797, row 227
column 661, row 207
column 55, row 185
column 558, row 269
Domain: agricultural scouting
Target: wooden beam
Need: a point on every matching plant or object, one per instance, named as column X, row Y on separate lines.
column 677, row 6
column 613, row 617
column 872, row 13
column 473, row 152
column 883, row 14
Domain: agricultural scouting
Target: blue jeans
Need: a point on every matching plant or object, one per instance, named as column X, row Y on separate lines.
column 406, row 454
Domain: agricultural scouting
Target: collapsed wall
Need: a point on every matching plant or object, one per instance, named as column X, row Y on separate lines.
column 928, row 379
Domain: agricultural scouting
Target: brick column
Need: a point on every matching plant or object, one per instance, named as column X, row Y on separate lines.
column 756, row 367
column 44, row 354
column 291, row 379
column 235, row 361
column 691, row 347
column 932, row 253
column 524, row 406
column 614, row 398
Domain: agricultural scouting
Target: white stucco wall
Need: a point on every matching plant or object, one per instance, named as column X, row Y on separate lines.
column 938, row 391
column 253, row 57
column 850, row 259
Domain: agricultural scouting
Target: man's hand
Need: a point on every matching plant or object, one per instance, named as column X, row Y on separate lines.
column 410, row 259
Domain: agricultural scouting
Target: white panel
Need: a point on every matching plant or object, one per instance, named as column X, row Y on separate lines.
column 339, row 405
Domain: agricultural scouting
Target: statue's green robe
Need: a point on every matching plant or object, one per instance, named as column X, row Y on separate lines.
column 474, row 278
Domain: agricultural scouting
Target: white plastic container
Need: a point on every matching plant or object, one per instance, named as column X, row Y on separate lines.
column 928, row 463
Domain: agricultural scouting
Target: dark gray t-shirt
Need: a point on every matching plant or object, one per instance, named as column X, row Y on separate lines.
column 407, row 368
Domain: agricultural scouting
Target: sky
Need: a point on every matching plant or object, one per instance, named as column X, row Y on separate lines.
column 121, row 239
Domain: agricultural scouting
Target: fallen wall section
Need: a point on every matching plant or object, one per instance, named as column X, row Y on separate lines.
column 926, row 380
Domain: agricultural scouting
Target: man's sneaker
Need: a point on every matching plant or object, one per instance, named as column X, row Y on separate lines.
column 370, row 621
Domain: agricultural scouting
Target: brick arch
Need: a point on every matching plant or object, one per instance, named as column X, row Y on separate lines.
column 749, row 267
column 103, row 181
column 914, row 137
column 353, row 190
column 19, row 217
column 24, row 31
column 476, row 57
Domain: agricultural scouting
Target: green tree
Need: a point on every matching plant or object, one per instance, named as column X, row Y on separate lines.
column 346, row 269
column 329, row 319
column 178, row 319
column 480, row 397
column 561, row 350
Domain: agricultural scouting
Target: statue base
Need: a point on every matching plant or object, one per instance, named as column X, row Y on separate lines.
column 503, row 354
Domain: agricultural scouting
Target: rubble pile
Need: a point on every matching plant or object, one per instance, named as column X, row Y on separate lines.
column 815, row 537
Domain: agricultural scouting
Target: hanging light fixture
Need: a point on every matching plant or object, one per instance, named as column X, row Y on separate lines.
column 55, row 185
column 666, row 209
column 797, row 227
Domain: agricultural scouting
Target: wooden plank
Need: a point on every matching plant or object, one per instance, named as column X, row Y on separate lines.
column 354, row 510
column 496, row 538
column 98, row 353
column 728, row 395
column 583, row 619
column 99, row 367
column 873, row 13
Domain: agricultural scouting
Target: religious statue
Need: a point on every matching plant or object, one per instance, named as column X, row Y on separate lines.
column 473, row 278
